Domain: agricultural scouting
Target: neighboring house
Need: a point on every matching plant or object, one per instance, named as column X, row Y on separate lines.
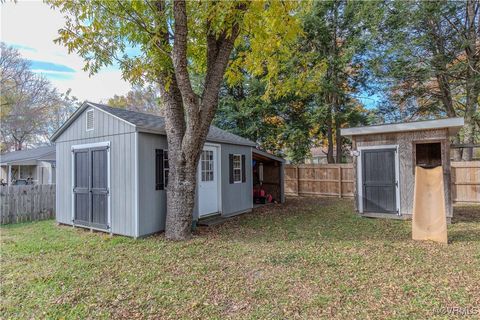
column 113, row 171
column 36, row 165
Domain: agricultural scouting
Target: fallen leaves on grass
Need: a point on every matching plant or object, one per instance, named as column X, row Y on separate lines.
column 310, row 258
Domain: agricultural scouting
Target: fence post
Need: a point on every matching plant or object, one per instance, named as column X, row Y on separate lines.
column 297, row 183
column 339, row 181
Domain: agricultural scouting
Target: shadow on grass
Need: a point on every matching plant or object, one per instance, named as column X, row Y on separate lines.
column 466, row 213
column 311, row 218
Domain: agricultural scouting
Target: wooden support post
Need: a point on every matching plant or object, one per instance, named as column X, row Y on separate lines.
column 9, row 180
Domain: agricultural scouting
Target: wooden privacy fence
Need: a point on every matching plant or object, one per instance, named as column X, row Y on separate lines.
column 337, row 180
column 466, row 181
column 26, row 203
column 320, row 179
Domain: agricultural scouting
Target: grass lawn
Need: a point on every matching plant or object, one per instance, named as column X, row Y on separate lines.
column 309, row 258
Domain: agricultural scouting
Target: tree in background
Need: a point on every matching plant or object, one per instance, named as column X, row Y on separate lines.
column 139, row 98
column 338, row 34
column 429, row 64
column 280, row 126
column 313, row 94
column 26, row 102
column 61, row 109
column 243, row 111
column 178, row 39
column 30, row 108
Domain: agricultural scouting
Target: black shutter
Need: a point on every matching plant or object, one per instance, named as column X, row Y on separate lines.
column 244, row 172
column 230, row 167
column 159, row 184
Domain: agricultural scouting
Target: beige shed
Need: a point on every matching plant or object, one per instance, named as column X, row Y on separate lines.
column 385, row 157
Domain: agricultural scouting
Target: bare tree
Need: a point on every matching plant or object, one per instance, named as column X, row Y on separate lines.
column 26, row 104
column 139, row 98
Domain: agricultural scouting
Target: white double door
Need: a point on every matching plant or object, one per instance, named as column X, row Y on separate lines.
column 208, row 181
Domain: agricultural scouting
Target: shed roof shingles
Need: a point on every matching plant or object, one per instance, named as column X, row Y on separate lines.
column 150, row 122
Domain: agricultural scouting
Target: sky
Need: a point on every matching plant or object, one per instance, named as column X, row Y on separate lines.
column 31, row 27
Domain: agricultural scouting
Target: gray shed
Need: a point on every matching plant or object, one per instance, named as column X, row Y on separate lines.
column 385, row 157
column 112, row 172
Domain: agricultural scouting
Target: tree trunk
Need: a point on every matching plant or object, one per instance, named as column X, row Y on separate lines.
column 338, row 141
column 187, row 115
column 470, row 110
column 180, row 200
column 330, row 158
column 472, row 80
column 457, row 152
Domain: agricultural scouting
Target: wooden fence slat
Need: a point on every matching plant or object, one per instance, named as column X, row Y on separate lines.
column 466, row 181
column 334, row 180
column 26, row 203
column 338, row 180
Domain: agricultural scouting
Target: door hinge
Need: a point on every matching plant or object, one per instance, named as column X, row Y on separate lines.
column 396, row 183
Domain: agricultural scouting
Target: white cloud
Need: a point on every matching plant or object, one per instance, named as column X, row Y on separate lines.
column 32, row 26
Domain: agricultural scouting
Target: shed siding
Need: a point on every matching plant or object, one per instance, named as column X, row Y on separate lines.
column 122, row 168
column 405, row 141
column 104, row 125
column 152, row 203
column 236, row 197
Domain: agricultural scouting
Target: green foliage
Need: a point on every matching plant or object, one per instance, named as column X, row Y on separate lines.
column 281, row 126
column 421, row 41
column 290, row 112
column 105, row 32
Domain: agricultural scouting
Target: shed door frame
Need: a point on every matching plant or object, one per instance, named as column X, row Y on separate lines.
column 109, row 194
column 219, row 178
column 360, row 178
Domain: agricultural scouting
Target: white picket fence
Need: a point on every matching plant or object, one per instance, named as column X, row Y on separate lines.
column 26, row 203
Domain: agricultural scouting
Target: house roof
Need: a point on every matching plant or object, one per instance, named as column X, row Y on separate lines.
column 145, row 122
column 453, row 124
column 40, row 153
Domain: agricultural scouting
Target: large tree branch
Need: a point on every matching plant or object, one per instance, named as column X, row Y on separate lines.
column 174, row 113
column 218, row 54
column 180, row 61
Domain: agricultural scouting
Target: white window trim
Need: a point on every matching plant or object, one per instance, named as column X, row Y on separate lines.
column 93, row 120
column 360, row 178
column 202, row 171
column 233, row 168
